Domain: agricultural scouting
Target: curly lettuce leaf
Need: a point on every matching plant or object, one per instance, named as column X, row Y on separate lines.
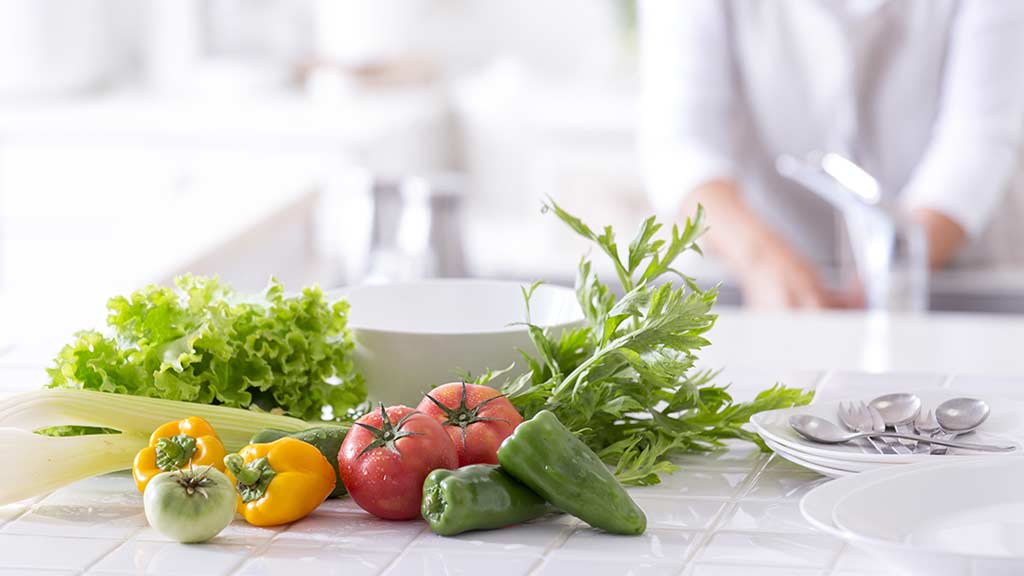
column 202, row 342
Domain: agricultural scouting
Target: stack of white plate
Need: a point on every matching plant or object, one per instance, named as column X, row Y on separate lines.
column 1005, row 425
column 954, row 517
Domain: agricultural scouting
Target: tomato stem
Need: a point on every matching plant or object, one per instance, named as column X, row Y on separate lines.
column 388, row 435
column 462, row 415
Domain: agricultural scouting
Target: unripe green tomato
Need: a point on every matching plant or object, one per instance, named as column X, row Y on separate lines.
column 190, row 505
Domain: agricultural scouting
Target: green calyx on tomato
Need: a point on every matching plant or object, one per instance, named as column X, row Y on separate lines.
column 387, row 435
column 252, row 478
column 189, row 505
column 462, row 415
column 172, row 453
column 194, row 481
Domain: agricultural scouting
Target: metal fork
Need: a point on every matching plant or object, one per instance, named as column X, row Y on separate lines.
column 927, row 425
column 878, row 425
column 859, row 421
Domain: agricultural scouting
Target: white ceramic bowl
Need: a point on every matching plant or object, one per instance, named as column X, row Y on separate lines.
column 413, row 336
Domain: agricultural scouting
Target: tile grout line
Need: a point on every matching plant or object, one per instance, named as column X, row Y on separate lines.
column 256, row 551
column 727, row 510
column 120, row 542
column 401, row 553
column 555, row 543
column 833, row 566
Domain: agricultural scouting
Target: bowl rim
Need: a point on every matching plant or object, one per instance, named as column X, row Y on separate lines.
column 337, row 293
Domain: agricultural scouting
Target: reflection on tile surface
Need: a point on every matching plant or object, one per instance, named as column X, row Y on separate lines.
column 771, row 549
column 417, row 562
column 23, row 572
column 359, row 531
column 525, row 539
column 724, row 570
column 12, row 511
column 80, row 521
column 283, row 561
column 854, row 558
column 670, row 512
column 238, row 532
column 698, row 483
column 735, row 457
column 562, row 566
column 652, row 545
column 24, row 551
column 144, row 557
column 775, row 484
column 770, row 516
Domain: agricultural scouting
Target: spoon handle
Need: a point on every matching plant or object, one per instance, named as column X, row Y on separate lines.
column 941, row 442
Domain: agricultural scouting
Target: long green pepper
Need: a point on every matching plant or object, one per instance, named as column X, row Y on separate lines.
column 477, row 497
column 546, row 456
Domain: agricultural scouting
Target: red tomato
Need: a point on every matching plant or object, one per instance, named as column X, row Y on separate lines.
column 386, row 456
column 476, row 417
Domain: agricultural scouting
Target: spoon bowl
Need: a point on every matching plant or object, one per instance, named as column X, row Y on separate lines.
column 899, row 408
column 818, row 429
column 961, row 415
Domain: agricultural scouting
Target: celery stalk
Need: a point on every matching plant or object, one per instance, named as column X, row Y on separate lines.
column 39, row 464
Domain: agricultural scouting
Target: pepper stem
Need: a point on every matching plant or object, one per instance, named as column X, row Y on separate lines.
column 173, row 452
column 252, row 478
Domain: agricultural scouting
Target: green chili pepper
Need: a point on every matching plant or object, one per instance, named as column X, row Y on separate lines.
column 327, row 440
column 547, row 457
column 477, row 497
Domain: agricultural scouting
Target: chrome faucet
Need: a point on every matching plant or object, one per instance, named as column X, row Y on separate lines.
column 889, row 249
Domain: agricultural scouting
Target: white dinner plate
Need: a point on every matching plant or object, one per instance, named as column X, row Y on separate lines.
column 966, row 517
column 826, row 470
column 1005, row 425
column 845, row 465
column 817, row 505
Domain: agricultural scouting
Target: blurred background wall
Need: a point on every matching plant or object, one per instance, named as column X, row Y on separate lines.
column 330, row 140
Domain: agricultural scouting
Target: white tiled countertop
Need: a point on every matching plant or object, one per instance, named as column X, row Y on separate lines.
column 730, row 513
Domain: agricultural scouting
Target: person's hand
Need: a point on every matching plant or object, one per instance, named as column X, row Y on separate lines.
column 770, row 271
column 945, row 235
column 776, row 276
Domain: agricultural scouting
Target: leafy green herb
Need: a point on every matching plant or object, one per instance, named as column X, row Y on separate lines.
column 625, row 383
column 204, row 343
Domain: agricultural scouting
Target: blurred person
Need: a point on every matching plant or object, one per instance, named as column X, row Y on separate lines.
column 925, row 95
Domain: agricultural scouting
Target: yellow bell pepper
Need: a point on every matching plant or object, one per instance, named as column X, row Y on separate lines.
column 176, row 445
column 279, row 482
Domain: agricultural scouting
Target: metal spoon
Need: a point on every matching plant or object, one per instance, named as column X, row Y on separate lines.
column 824, row 431
column 899, row 411
column 961, row 415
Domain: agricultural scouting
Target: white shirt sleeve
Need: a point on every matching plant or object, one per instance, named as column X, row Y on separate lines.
column 974, row 148
column 688, row 92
